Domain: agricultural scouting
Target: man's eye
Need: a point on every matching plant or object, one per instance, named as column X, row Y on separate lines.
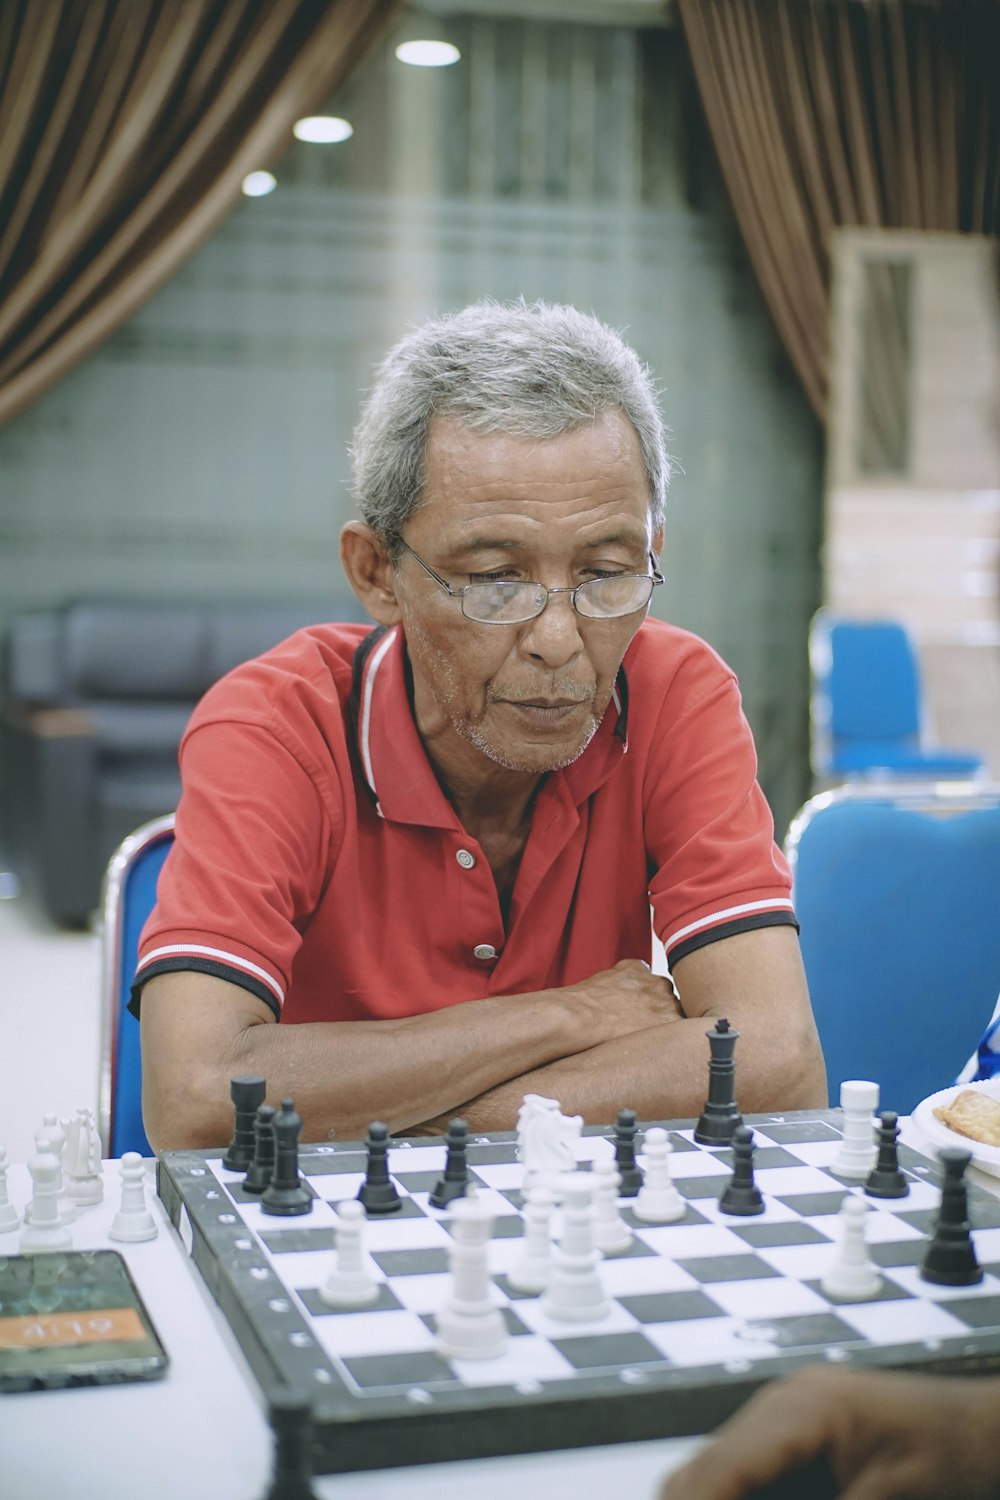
column 503, row 575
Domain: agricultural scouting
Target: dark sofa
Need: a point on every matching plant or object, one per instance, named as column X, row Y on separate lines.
column 96, row 697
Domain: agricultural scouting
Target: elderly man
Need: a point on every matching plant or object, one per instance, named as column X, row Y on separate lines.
column 433, row 846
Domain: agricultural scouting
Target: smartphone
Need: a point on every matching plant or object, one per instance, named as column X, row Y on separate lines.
column 73, row 1318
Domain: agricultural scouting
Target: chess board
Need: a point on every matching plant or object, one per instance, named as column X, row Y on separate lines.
column 702, row 1311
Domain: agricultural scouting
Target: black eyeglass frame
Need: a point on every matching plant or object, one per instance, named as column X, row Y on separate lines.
column 654, row 578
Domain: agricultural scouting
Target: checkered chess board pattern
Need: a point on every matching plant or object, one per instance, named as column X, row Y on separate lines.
column 703, row 1310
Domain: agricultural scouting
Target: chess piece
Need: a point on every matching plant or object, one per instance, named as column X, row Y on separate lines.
column 8, row 1213
column 721, row 1115
column 291, row 1423
column 456, row 1170
column 856, row 1156
column 246, row 1093
column 378, row 1191
column 886, row 1180
column 51, row 1138
column 469, row 1324
column 530, row 1272
column 612, row 1236
column 546, row 1139
column 44, row 1230
column 349, row 1283
column 950, row 1258
column 261, row 1169
column 658, row 1201
column 851, row 1276
column 133, row 1221
column 286, row 1195
column 741, row 1194
column 574, row 1293
column 628, row 1168
column 83, row 1178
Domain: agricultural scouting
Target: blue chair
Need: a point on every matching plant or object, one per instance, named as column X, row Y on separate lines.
column 898, row 894
column 129, row 895
column 868, row 717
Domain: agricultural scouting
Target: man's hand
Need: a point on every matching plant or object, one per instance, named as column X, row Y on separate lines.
column 628, row 997
column 856, row 1436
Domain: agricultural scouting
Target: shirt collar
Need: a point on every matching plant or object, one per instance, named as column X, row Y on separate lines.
column 394, row 763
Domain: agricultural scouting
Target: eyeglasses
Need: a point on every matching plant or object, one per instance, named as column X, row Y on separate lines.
column 510, row 602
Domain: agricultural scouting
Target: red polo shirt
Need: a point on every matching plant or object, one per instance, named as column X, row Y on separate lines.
column 318, row 863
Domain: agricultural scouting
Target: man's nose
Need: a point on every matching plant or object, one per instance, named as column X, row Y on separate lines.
column 554, row 636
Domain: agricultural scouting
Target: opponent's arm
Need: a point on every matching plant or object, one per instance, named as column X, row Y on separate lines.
column 199, row 1031
column 859, row 1435
column 755, row 979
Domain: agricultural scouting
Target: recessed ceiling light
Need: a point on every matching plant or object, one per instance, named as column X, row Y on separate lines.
column 259, row 184
column 427, row 54
column 323, row 129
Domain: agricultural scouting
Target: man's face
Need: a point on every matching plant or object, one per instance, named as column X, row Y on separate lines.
column 560, row 511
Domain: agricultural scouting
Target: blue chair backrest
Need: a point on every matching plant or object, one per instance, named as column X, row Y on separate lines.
column 130, row 896
column 874, row 682
column 899, row 903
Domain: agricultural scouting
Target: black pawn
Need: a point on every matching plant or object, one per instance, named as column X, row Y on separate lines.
column 246, row 1093
column 950, row 1259
column 721, row 1114
column 286, row 1194
column 291, row 1424
column 261, row 1169
column 886, row 1179
column 456, row 1169
column 629, row 1169
column 741, row 1194
column 378, row 1191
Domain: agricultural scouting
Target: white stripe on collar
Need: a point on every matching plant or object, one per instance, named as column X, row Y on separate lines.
column 366, row 712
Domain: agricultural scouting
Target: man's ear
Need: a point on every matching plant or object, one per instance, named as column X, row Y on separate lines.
column 369, row 572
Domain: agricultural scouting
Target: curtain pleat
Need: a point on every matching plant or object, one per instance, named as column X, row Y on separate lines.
column 827, row 113
column 126, row 129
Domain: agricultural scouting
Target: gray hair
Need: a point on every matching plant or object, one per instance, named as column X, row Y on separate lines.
column 533, row 370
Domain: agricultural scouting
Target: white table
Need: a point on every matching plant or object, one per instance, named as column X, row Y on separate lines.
column 202, row 1430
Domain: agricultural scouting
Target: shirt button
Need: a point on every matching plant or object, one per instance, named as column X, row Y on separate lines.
column 465, row 859
column 484, row 951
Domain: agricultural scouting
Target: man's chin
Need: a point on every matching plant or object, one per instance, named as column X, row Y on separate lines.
column 534, row 760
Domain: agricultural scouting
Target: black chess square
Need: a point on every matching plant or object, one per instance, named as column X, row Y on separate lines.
column 691, row 1215
column 609, row 1351
column 812, row 1330
column 898, row 1253
column 974, row 1312
column 923, row 1219
column 239, row 1194
column 889, row 1291
column 386, row 1301
column 670, row 1307
column 299, row 1237
column 709, row 1268
column 313, row 1165
column 789, row 1232
column 415, row 1262
column 813, row 1205
column 792, row 1132
column 513, row 1323
column 404, row 1369
column 701, row 1187
column 408, row 1209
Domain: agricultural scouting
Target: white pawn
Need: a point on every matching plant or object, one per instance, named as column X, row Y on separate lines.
column 612, row 1235
column 8, row 1213
column 858, row 1151
column 469, row 1324
column 574, row 1293
column 82, row 1169
column 851, row 1274
column 133, row 1221
column 51, row 1138
column 44, row 1231
column 349, row 1282
column 658, row 1201
column 530, row 1272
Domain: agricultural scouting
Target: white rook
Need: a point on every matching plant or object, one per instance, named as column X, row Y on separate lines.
column 470, row 1325
column 857, row 1154
column 574, row 1293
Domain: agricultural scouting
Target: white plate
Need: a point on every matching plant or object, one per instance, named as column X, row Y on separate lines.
column 938, row 1133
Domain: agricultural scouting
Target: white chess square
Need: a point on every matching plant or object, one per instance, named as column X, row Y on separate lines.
column 910, row 1278
column 800, row 1262
column 386, row 1232
column 425, row 1294
column 527, row 1359
column 348, row 1335
column 786, row 1181
column 900, row 1322
column 775, row 1212
column 708, row 1341
column 764, row 1298
column 696, row 1164
column 533, row 1315
column 416, row 1159
column 687, row 1241
column 630, row 1275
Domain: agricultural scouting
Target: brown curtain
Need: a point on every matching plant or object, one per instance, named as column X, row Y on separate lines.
column 126, row 129
column 825, row 113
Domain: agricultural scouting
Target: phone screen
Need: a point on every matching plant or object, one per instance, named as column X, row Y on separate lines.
column 73, row 1318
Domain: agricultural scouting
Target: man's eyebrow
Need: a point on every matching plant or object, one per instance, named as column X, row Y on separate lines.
column 628, row 537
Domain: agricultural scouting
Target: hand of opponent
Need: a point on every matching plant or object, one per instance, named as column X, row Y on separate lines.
column 855, row 1436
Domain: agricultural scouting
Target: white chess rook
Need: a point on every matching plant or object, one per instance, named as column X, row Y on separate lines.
column 469, row 1324
column 133, row 1221
column 612, row 1236
column 851, row 1275
column 858, row 1151
column 44, row 1231
column 530, row 1272
column 350, row 1283
column 575, row 1293
column 8, row 1213
column 658, row 1201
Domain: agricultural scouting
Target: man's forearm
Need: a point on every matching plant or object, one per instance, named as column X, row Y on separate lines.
column 662, row 1074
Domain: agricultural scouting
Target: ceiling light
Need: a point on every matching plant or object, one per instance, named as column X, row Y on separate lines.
column 428, row 54
column 259, row 184
column 323, row 129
